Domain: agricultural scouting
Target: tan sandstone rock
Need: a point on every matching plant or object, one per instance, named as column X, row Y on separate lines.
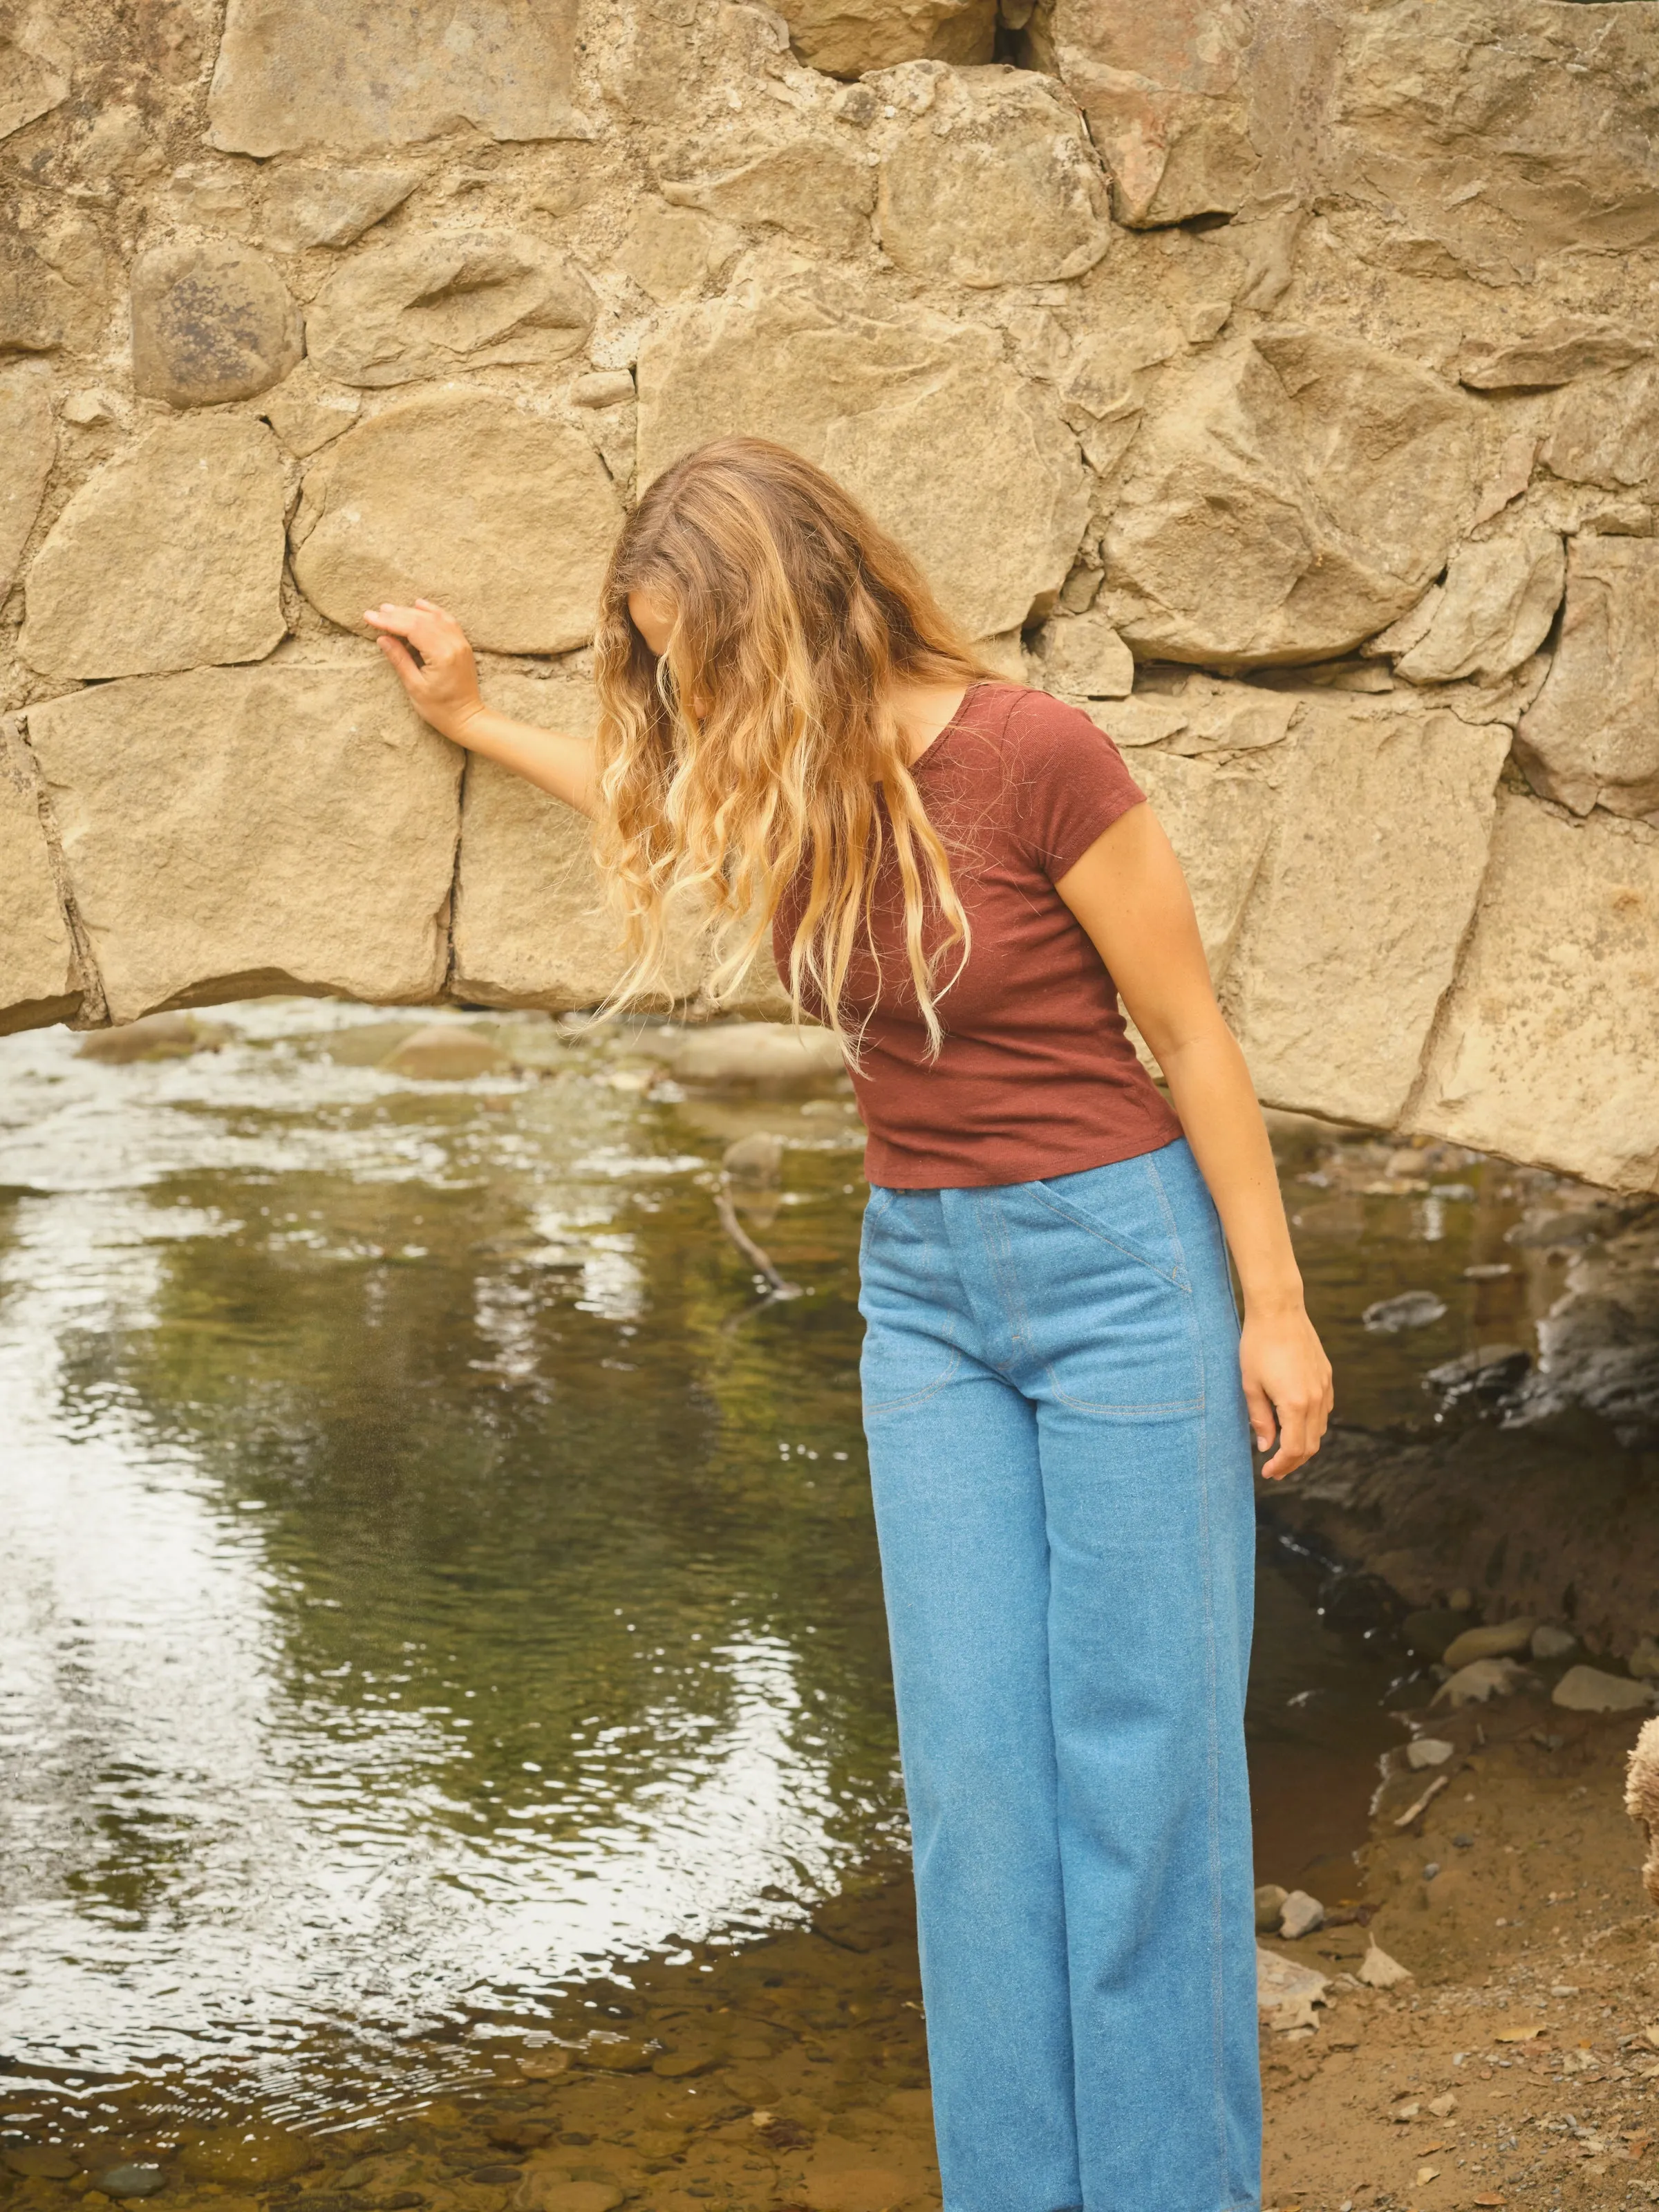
column 190, row 519
column 531, row 924
column 1384, row 815
column 1544, row 1049
column 1202, row 718
column 1293, row 494
column 810, row 189
column 29, row 445
column 1082, row 656
column 1591, row 738
column 444, row 300
column 670, row 251
column 1607, row 433
column 209, row 323
column 42, row 980
column 1563, row 350
column 505, row 517
column 337, row 73
column 33, row 78
column 1493, row 612
column 51, row 279
column 1219, row 822
column 880, row 404
column 846, row 37
column 995, row 183
column 327, row 204
column 1504, row 128
column 301, row 817
column 1163, row 90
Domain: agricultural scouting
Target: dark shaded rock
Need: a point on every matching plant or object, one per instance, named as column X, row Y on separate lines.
column 209, row 323
column 1488, row 1372
column 1429, row 1631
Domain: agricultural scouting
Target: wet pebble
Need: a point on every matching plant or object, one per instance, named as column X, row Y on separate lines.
column 130, row 2180
column 1411, row 1309
column 1300, row 1914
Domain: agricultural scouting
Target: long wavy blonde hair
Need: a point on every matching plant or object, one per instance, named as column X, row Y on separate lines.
column 749, row 765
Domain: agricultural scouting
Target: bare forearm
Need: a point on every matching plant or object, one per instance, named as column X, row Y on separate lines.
column 547, row 758
column 1211, row 1087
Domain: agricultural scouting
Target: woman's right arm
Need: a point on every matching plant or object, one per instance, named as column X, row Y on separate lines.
column 442, row 680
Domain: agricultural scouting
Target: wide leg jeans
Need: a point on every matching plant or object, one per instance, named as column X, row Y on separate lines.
column 1060, row 1464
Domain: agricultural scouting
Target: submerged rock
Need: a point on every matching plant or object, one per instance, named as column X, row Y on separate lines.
column 1411, row 1309
column 440, row 1052
column 156, row 1037
column 1589, row 1690
column 256, row 2158
column 1502, row 1639
column 130, row 2180
column 1480, row 1681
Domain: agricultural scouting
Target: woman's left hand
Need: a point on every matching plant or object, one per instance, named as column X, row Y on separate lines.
column 1287, row 1387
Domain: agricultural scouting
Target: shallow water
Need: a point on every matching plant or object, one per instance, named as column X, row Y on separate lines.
column 437, row 1578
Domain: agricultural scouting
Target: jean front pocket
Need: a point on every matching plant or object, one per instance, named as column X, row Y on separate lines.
column 909, row 1342
column 1123, row 1204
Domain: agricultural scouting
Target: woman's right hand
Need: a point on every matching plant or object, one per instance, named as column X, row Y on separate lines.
column 439, row 675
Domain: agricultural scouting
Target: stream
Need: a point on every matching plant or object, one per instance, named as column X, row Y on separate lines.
column 438, row 1578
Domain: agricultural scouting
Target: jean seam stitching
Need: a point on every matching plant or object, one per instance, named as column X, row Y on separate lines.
column 916, row 1397
column 1176, row 1281
column 1088, row 1406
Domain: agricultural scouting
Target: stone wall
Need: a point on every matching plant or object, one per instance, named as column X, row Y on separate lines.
column 1276, row 377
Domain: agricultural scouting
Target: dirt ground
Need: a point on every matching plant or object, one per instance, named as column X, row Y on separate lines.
column 1517, row 2067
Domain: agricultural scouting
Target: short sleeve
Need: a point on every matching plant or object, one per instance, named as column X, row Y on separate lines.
column 1070, row 778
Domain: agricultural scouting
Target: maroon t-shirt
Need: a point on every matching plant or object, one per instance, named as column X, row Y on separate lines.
column 1036, row 1076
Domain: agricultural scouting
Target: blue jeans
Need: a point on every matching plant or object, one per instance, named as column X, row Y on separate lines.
column 1060, row 1463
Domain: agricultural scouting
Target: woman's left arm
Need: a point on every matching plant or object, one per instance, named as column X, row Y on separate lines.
column 1130, row 896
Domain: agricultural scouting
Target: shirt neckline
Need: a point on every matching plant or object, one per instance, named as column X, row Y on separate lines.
column 936, row 743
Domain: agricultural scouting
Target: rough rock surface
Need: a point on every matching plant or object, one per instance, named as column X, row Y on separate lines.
column 190, row 519
column 993, row 182
column 846, row 37
column 434, row 303
column 1592, row 737
column 323, row 204
column 209, row 323
column 345, row 74
column 303, row 820
column 814, row 192
column 1082, row 656
column 53, row 277
column 1544, row 1049
column 525, row 852
column 29, row 445
column 42, row 979
column 1219, row 822
column 878, row 404
column 1339, row 966
column 32, row 80
column 1493, row 612
column 504, row 516
column 1164, row 92
column 1294, row 493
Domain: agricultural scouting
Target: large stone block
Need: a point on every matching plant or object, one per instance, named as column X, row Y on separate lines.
column 325, row 203
column 28, row 445
column 505, row 517
column 881, row 405
column 40, row 979
column 1506, row 129
column 845, row 38
column 52, row 280
column 1591, row 738
column 190, row 521
column 1219, row 822
column 1165, row 90
column 354, row 75
column 809, row 188
column 1544, row 1048
column 994, row 183
column 1607, row 433
column 209, row 323
column 451, row 300
column 1292, row 494
column 33, row 79
column 236, row 831
column 1493, row 612
column 1384, row 815
column 531, row 924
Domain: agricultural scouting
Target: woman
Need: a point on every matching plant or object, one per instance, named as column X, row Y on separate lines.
column 960, row 877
